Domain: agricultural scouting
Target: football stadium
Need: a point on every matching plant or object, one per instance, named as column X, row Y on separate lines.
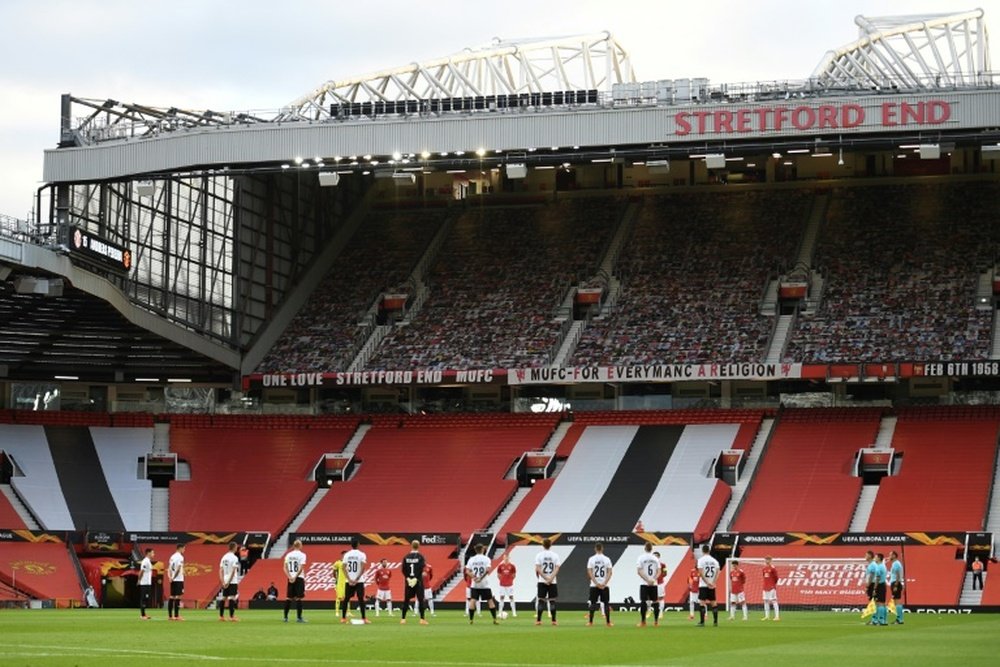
column 675, row 356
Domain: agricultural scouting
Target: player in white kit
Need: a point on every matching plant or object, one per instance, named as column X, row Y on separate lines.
column 229, row 577
column 599, row 569
column 354, row 568
column 708, row 572
column 295, row 572
column 478, row 568
column 547, row 564
column 146, row 583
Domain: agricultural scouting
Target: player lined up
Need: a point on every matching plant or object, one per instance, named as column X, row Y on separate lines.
column 883, row 579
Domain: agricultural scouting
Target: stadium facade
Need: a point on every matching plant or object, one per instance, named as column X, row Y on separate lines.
column 187, row 240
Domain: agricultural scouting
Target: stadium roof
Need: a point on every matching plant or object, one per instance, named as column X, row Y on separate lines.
column 502, row 67
column 76, row 334
column 911, row 52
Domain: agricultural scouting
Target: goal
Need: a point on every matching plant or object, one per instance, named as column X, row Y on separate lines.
column 804, row 583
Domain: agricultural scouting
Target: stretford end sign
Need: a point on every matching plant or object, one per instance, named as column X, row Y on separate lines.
column 791, row 118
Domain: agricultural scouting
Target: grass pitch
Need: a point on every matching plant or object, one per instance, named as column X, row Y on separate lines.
column 812, row 639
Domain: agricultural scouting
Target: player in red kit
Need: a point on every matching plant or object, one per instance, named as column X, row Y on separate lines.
column 506, row 571
column 383, row 575
column 428, row 576
column 770, row 587
column 693, row 578
column 661, row 582
column 737, row 596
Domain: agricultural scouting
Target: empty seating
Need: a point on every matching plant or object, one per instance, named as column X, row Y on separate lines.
column 805, row 480
column 246, row 478
column 417, row 472
column 581, row 484
column 568, row 501
column 60, row 418
column 946, row 472
column 991, row 587
column 39, row 487
column 688, row 483
column 119, row 450
column 43, row 570
column 9, row 518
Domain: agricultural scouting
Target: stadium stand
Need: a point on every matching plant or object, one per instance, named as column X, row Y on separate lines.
column 746, row 421
column 900, row 275
column 688, row 483
column 749, row 421
column 416, row 470
column 60, row 418
column 43, row 570
column 682, row 493
column 804, row 480
column 496, row 285
column 9, row 518
column 79, row 477
column 256, row 475
column 119, row 450
column 515, row 522
column 584, row 480
column 991, row 589
column 379, row 257
column 693, row 275
column 39, row 488
column 948, row 455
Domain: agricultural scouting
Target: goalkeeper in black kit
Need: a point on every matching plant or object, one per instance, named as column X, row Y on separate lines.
column 413, row 584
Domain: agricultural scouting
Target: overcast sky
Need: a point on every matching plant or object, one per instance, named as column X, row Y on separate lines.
column 253, row 54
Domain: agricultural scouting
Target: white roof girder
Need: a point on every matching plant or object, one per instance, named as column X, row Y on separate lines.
column 502, row 67
column 911, row 52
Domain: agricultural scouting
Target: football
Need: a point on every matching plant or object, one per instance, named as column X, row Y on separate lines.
column 503, row 615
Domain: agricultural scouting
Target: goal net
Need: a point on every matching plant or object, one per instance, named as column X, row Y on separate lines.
column 802, row 583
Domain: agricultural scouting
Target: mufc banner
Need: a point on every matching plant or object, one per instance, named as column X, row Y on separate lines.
column 653, row 373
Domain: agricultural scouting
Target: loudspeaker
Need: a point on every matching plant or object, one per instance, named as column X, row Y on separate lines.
column 715, row 161
column 328, row 179
column 43, row 286
column 658, row 166
column 517, row 170
column 145, row 188
column 930, row 151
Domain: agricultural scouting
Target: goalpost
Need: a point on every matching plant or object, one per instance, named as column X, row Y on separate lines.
column 803, row 583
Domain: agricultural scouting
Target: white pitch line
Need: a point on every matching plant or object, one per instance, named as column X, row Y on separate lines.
column 96, row 650
column 93, row 651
